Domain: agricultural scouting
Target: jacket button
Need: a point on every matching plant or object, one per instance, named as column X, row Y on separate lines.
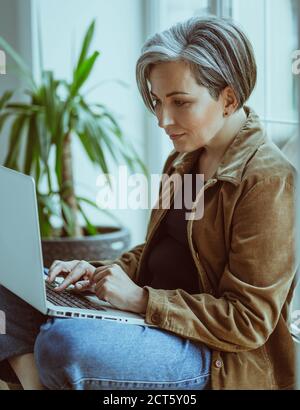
column 155, row 317
column 218, row 363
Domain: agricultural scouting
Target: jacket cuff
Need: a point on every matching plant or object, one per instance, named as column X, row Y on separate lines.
column 157, row 307
column 102, row 262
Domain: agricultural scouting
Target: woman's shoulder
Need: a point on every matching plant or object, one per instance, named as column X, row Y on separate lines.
column 269, row 162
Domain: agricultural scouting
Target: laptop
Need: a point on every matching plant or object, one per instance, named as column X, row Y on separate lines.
column 21, row 261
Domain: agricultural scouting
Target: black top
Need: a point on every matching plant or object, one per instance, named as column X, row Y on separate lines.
column 170, row 264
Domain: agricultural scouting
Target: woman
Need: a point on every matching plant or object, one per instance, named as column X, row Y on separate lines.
column 218, row 286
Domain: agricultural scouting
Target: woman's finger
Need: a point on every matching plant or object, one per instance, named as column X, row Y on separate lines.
column 56, row 270
column 100, row 273
column 81, row 268
column 98, row 289
column 82, row 285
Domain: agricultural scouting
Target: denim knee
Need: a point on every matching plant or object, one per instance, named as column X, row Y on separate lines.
column 57, row 356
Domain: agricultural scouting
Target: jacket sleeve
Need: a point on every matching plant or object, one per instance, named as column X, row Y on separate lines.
column 255, row 282
column 128, row 260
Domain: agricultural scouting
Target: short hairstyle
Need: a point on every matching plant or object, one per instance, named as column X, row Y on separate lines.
column 216, row 49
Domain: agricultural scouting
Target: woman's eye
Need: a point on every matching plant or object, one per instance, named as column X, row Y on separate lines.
column 180, row 103
column 176, row 102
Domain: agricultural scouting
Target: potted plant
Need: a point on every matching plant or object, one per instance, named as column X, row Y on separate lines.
column 57, row 112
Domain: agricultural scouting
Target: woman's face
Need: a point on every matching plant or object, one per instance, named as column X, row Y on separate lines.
column 192, row 111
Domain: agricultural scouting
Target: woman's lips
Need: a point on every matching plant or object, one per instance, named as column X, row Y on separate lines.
column 174, row 137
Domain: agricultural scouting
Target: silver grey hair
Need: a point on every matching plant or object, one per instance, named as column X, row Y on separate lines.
column 217, row 51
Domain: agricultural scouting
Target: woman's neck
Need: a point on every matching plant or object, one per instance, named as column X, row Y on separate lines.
column 218, row 145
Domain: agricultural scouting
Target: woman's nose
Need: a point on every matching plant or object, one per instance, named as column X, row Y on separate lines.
column 165, row 119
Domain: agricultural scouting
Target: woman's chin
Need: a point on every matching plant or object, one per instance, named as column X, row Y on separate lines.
column 179, row 145
column 184, row 147
column 179, row 148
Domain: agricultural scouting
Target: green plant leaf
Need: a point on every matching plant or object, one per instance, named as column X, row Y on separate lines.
column 37, row 165
column 91, row 131
column 86, row 44
column 87, row 147
column 5, row 97
column 91, row 230
column 68, row 217
column 46, row 208
column 15, row 138
column 46, row 228
column 30, row 145
column 3, row 119
column 90, row 141
column 106, row 113
column 58, row 160
column 44, row 137
column 44, row 145
column 23, row 107
column 81, row 75
column 48, row 96
column 100, row 132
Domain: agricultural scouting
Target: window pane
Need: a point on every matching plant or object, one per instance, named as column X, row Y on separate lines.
column 274, row 97
column 282, row 134
column 281, row 18
column 178, row 10
column 250, row 17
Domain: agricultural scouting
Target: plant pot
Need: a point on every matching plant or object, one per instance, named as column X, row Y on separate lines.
column 110, row 243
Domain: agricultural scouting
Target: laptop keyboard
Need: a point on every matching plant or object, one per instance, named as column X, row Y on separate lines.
column 65, row 298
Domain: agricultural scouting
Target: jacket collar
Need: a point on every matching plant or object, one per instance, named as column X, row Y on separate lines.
column 236, row 156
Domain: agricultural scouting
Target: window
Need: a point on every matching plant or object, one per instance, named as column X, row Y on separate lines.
column 274, row 97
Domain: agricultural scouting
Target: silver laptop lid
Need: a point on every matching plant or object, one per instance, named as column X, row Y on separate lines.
column 21, row 262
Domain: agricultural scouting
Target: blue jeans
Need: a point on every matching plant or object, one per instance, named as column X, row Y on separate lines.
column 85, row 354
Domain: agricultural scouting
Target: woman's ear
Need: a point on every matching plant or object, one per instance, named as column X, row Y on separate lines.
column 230, row 102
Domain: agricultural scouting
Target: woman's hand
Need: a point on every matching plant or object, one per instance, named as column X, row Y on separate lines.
column 73, row 271
column 113, row 285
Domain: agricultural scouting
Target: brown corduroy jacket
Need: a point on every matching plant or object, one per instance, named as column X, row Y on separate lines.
column 244, row 250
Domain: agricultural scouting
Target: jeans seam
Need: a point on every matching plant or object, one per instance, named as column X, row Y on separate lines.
column 95, row 379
